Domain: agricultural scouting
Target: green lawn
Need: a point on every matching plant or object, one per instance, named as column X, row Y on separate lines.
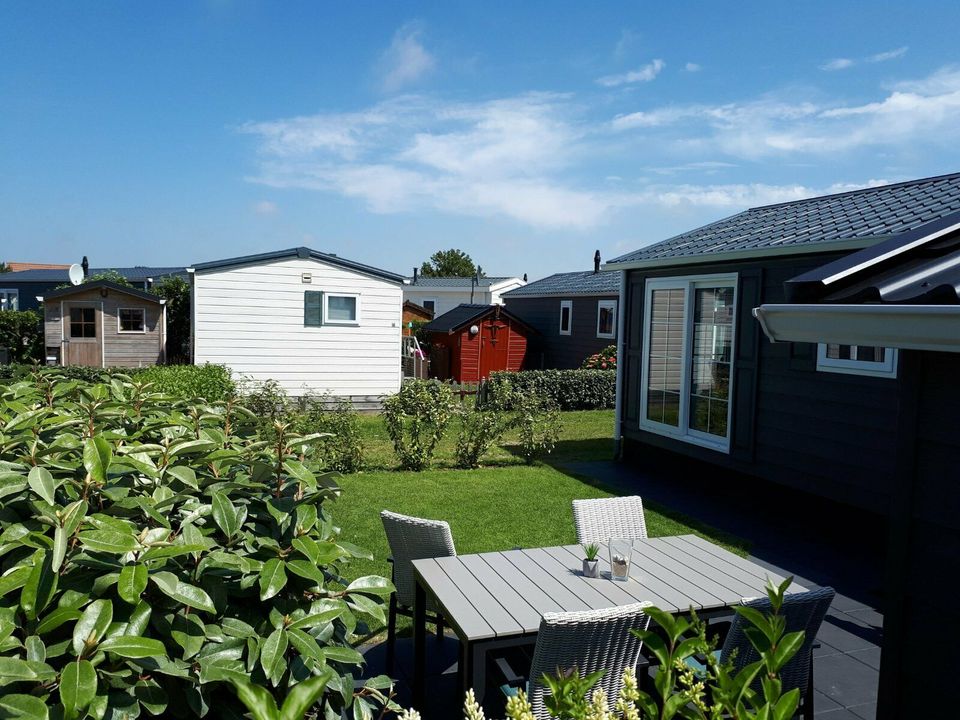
column 493, row 508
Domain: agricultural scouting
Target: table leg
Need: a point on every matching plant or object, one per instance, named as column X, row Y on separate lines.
column 419, row 646
column 478, row 670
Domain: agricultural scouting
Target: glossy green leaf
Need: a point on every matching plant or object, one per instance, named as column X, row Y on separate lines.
column 225, row 514
column 372, row 584
column 342, row 654
column 12, row 669
column 304, row 695
column 184, row 474
column 171, row 586
column 273, row 577
column 132, row 582
column 92, row 626
column 36, row 650
column 257, row 700
column 59, row 548
column 40, row 586
column 130, row 646
column 15, row 579
column 271, row 655
column 78, row 686
column 27, row 707
column 108, row 541
column 43, row 484
column 97, row 456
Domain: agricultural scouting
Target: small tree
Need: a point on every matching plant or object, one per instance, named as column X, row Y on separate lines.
column 21, row 332
column 449, row 263
column 4, row 267
column 416, row 418
column 176, row 291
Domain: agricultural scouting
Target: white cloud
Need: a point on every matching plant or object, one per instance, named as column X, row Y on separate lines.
column 888, row 55
column 837, row 64
column 265, row 207
column 692, row 67
column 406, row 60
column 844, row 63
column 643, row 74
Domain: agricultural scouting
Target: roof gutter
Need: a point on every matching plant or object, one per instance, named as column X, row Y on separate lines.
column 765, row 252
column 910, row 327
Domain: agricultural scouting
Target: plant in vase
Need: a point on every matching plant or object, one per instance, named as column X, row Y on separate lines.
column 590, row 562
column 620, row 551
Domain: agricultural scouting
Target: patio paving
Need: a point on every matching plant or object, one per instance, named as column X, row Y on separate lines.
column 803, row 536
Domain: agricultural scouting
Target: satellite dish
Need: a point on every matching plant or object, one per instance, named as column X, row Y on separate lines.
column 76, row 274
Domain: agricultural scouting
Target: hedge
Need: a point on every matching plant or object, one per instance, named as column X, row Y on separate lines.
column 569, row 389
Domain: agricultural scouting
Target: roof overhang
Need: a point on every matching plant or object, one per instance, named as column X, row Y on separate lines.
column 304, row 253
column 101, row 285
column 535, row 296
column 749, row 254
column 911, row 327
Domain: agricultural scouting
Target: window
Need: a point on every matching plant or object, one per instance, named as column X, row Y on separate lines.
column 566, row 316
column 857, row 360
column 312, row 308
column 9, row 299
column 688, row 358
column 131, row 320
column 607, row 318
column 341, row 309
column 430, row 305
column 83, row 322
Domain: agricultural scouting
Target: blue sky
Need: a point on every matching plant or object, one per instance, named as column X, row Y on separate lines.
column 528, row 134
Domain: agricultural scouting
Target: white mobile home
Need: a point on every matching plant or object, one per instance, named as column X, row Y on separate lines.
column 313, row 322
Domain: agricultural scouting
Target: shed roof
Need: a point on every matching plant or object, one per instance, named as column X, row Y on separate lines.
column 139, row 273
column 301, row 252
column 466, row 314
column 83, row 287
column 572, row 283
column 455, row 282
column 857, row 218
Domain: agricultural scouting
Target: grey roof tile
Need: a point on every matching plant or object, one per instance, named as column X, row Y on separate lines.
column 571, row 283
column 454, row 281
column 133, row 274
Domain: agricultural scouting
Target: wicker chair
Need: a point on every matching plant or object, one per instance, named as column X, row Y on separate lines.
column 590, row 640
column 803, row 611
column 410, row 539
column 604, row 518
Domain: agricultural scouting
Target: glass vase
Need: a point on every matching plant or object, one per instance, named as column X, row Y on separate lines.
column 620, row 555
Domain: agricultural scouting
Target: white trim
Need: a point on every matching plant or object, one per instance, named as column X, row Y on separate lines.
column 683, row 431
column 612, row 306
column 121, row 331
column 621, row 362
column 325, row 320
column 6, row 292
column 773, row 251
column 909, row 327
column 853, row 366
column 569, row 305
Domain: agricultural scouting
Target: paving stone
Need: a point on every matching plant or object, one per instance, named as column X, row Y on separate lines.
column 867, row 711
column 823, row 703
column 846, row 633
column 870, row 657
column 845, row 680
column 868, row 615
column 839, row 714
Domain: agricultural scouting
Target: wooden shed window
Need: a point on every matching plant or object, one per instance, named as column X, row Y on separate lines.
column 83, row 322
column 131, row 320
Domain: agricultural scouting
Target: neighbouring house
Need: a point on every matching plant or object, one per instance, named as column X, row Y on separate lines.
column 575, row 314
column 102, row 324
column 314, row 322
column 19, row 266
column 413, row 313
column 20, row 290
column 442, row 294
column 471, row 341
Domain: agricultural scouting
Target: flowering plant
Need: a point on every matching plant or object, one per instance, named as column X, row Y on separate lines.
column 606, row 359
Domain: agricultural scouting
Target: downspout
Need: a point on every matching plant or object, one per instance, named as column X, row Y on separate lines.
column 621, row 353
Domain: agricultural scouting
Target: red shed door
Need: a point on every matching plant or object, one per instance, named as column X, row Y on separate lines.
column 494, row 346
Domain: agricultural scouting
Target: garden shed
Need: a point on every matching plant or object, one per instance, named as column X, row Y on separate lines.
column 472, row 341
column 103, row 324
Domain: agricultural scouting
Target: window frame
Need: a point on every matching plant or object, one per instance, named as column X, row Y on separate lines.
column 426, row 300
column 612, row 306
column 886, row 369
column 569, row 305
column 683, row 431
column 5, row 294
column 325, row 316
column 83, row 323
column 121, row 331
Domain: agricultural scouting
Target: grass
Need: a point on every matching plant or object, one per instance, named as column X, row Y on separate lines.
column 502, row 506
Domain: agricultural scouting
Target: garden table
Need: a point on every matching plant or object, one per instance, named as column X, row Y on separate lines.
column 496, row 599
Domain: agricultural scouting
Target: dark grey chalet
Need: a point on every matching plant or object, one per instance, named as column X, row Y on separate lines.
column 855, row 401
column 575, row 314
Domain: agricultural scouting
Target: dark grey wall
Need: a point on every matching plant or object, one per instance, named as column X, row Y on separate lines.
column 28, row 291
column 551, row 349
column 828, row 434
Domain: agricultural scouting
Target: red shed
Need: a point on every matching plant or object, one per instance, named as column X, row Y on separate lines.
column 471, row 341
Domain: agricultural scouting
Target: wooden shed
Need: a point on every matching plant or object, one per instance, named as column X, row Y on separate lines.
column 414, row 313
column 471, row 341
column 102, row 324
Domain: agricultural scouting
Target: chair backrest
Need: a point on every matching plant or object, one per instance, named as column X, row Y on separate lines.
column 412, row 538
column 802, row 611
column 590, row 640
column 604, row 518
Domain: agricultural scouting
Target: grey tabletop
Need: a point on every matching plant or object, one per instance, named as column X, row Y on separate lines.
column 503, row 594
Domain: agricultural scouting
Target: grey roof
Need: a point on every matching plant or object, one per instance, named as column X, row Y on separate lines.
column 301, row 252
column 132, row 274
column 466, row 313
column 876, row 212
column 142, row 294
column 454, row 282
column 571, row 283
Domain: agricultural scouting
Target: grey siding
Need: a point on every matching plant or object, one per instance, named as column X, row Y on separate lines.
column 551, row 349
column 27, row 292
column 828, row 434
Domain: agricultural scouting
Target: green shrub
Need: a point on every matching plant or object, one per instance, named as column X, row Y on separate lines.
column 568, row 389
column 538, row 421
column 153, row 549
column 416, row 418
column 21, row 332
column 479, row 430
column 606, row 359
column 176, row 291
column 209, row 382
column 80, row 373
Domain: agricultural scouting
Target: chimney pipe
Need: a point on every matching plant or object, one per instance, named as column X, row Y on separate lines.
column 415, row 273
column 524, row 277
column 86, row 267
column 596, row 262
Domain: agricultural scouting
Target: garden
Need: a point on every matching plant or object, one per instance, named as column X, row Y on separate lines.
column 169, row 533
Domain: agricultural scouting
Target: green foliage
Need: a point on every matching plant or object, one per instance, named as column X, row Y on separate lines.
column 109, row 276
column 449, row 263
column 416, row 418
column 538, row 423
column 591, row 551
column 208, row 382
column 567, row 698
column 479, row 431
column 177, row 293
column 568, row 389
column 21, row 332
column 153, row 549
column 606, row 359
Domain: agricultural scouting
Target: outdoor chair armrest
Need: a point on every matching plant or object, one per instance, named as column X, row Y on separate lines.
column 510, row 676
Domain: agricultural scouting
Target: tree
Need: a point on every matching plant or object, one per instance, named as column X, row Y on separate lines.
column 4, row 268
column 177, row 293
column 449, row 263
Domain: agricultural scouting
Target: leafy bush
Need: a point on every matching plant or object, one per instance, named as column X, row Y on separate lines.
column 176, row 291
column 479, row 430
column 568, row 389
column 153, row 548
column 538, row 422
column 209, row 382
column 606, row 359
column 416, row 418
column 21, row 332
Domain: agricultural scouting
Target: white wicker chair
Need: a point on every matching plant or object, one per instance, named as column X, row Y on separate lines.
column 590, row 640
column 604, row 518
column 412, row 538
